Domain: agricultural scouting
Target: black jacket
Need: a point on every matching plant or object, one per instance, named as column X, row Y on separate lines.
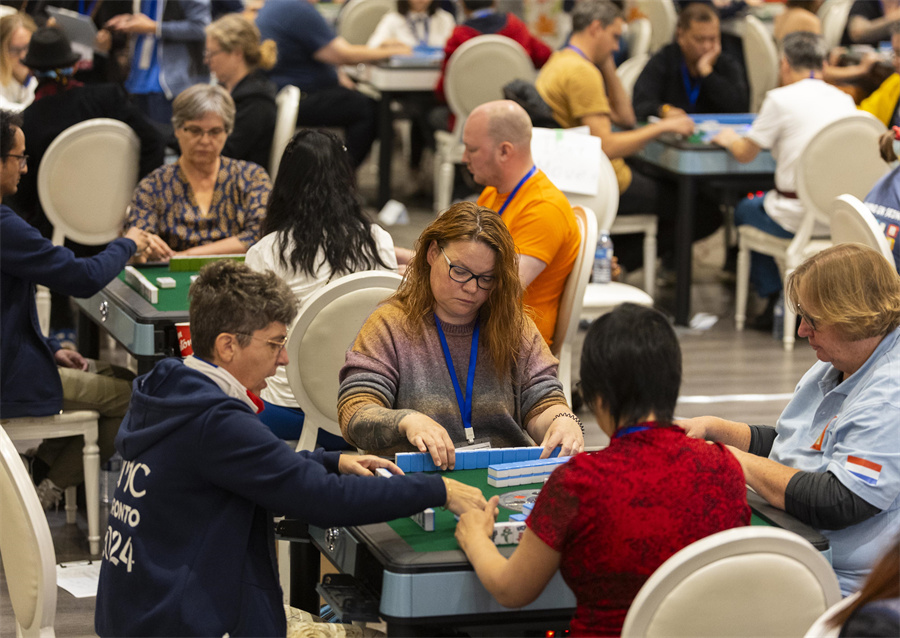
column 254, row 119
column 661, row 82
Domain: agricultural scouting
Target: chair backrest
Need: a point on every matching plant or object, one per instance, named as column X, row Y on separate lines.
column 572, row 300
column 822, row 627
column 358, row 18
column 747, row 581
column 842, row 158
column 26, row 548
column 324, row 329
column 853, row 222
column 630, row 70
column 605, row 203
column 761, row 60
column 638, row 36
column 288, row 106
column 663, row 18
column 834, row 14
column 86, row 180
column 479, row 69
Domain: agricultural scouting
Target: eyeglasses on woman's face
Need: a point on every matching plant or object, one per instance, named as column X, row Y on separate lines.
column 463, row 275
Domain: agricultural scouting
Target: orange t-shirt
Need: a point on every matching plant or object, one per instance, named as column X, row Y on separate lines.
column 543, row 226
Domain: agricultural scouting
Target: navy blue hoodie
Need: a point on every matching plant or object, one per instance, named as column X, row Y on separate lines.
column 189, row 549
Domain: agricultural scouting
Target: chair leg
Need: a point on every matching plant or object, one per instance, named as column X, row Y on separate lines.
column 71, row 504
column 790, row 328
column 443, row 191
column 92, row 489
column 650, row 264
column 743, row 285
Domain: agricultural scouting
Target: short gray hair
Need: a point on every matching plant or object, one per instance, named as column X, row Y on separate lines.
column 587, row 11
column 804, row 50
column 195, row 102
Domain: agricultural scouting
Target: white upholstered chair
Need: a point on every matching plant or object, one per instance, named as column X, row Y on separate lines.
column 663, row 18
column 323, row 331
column 630, row 70
column 85, row 181
column 842, row 158
column 358, row 18
column 476, row 73
column 761, row 58
column 26, row 548
column 288, row 106
column 852, row 221
column 822, row 627
column 638, row 36
column 572, row 299
column 70, row 423
column 601, row 298
column 747, row 581
column 834, row 14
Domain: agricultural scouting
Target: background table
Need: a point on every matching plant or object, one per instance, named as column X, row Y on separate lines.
column 145, row 330
column 422, row 580
column 392, row 82
column 688, row 164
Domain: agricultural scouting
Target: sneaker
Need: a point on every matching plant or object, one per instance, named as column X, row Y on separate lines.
column 49, row 494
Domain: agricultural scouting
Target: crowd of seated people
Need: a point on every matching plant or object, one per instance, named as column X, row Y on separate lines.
column 461, row 351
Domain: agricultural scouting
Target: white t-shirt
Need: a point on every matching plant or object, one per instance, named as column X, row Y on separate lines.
column 394, row 26
column 264, row 255
column 790, row 117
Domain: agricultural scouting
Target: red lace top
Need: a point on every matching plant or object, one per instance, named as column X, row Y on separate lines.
column 618, row 514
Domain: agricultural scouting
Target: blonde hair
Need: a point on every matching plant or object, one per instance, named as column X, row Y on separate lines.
column 8, row 26
column 850, row 286
column 233, row 31
column 502, row 316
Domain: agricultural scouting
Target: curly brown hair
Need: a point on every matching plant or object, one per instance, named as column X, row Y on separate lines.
column 502, row 316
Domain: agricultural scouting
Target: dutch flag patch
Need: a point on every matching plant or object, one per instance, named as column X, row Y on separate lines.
column 863, row 469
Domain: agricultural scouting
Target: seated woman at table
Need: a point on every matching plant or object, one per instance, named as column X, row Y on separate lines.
column 452, row 356
column 607, row 520
column 204, row 204
column 831, row 461
column 415, row 23
column 314, row 232
column 238, row 60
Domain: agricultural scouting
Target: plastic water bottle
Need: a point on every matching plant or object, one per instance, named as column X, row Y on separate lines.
column 602, row 271
column 778, row 318
column 109, row 477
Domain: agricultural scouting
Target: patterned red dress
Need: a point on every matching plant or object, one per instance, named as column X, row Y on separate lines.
column 616, row 515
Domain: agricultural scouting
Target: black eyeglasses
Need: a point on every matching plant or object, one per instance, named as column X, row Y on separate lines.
column 197, row 133
column 809, row 320
column 23, row 159
column 276, row 344
column 463, row 275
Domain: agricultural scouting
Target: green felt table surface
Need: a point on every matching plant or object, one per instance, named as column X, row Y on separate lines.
column 442, row 539
column 170, row 299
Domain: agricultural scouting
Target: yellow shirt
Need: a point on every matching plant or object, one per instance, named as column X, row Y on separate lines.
column 574, row 88
column 543, row 226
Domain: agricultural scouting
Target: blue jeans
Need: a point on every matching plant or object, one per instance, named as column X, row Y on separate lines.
column 764, row 273
column 287, row 423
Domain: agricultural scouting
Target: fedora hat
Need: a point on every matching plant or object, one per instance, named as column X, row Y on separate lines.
column 49, row 49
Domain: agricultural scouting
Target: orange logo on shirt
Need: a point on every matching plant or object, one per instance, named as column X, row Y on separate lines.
column 818, row 444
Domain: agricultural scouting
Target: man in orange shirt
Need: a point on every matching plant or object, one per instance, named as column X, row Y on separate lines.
column 497, row 139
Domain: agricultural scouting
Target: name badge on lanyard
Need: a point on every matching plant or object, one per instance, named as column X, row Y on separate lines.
column 464, row 403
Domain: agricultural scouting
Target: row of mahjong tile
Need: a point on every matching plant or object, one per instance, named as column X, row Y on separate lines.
column 476, row 459
column 506, row 533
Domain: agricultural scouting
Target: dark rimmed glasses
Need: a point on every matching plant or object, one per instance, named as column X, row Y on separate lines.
column 463, row 275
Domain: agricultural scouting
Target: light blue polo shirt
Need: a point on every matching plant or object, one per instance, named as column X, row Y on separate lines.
column 852, row 430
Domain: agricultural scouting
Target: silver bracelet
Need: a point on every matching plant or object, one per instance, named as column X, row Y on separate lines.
column 571, row 416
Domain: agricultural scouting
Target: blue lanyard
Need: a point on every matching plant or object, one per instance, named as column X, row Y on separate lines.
column 640, row 427
column 412, row 27
column 692, row 90
column 465, row 404
column 578, row 51
column 481, row 13
column 513, row 192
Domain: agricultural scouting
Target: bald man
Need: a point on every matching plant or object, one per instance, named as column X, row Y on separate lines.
column 497, row 139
